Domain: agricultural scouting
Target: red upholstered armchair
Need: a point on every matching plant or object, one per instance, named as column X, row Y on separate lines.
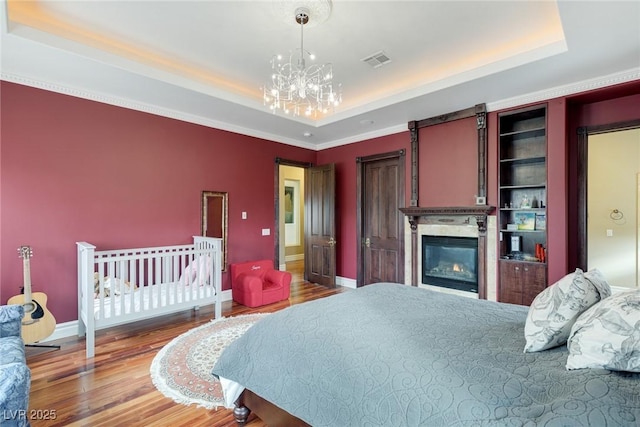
column 257, row 283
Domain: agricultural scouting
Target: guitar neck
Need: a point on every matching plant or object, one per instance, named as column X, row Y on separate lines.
column 26, row 272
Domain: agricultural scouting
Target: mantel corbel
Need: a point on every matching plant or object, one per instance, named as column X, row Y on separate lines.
column 481, row 221
column 413, row 222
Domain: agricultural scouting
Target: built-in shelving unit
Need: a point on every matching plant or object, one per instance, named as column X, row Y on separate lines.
column 522, row 203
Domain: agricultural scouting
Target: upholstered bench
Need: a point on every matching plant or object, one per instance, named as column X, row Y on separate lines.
column 15, row 376
column 257, row 283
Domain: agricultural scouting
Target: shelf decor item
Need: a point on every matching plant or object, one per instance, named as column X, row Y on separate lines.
column 526, row 220
column 516, row 244
column 541, row 222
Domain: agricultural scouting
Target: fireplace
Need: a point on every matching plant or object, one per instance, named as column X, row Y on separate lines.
column 450, row 262
column 462, row 221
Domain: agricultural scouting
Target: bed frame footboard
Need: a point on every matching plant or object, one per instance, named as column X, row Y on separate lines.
column 271, row 414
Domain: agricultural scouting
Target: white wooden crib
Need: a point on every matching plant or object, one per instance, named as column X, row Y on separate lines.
column 126, row 285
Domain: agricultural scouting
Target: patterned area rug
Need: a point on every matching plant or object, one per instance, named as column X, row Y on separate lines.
column 182, row 369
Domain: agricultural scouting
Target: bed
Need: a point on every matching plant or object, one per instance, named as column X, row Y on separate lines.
column 127, row 285
column 389, row 354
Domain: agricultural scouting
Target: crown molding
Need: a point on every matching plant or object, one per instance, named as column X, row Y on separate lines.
column 530, row 98
column 149, row 108
column 565, row 90
column 364, row 136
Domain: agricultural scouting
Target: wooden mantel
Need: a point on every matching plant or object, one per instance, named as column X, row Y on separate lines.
column 415, row 214
column 479, row 211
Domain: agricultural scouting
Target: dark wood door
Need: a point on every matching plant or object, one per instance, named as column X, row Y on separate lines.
column 320, row 228
column 382, row 223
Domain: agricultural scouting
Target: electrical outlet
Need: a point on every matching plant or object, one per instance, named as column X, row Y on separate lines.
column 244, row 215
column 609, row 232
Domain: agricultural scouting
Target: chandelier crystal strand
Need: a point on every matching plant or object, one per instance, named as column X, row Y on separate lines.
column 298, row 90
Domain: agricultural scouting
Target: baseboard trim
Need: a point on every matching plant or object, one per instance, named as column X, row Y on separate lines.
column 63, row 330
column 346, row 282
column 70, row 329
column 294, row 257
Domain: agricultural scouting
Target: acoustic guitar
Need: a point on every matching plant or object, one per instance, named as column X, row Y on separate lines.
column 38, row 322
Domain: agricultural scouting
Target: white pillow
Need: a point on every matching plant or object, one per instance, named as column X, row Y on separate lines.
column 199, row 271
column 607, row 336
column 554, row 311
column 597, row 279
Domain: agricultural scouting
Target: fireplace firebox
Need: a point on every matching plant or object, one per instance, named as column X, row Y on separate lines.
column 450, row 262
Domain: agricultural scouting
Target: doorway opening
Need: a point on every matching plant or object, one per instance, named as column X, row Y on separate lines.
column 291, row 220
column 316, row 216
column 608, row 201
column 612, row 205
column 289, row 173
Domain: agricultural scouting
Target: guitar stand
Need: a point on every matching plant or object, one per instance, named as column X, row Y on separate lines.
column 57, row 347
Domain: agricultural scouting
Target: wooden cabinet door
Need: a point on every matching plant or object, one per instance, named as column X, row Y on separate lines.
column 520, row 282
column 534, row 280
column 510, row 284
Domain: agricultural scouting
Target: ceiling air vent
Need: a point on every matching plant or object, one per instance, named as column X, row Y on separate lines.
column 378, row 59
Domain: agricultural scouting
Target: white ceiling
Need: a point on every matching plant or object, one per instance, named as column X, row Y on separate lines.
column 206, row 61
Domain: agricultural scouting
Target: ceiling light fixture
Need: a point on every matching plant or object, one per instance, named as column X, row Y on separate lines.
column 300, row 90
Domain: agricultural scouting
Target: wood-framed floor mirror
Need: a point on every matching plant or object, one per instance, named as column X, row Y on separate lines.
column 214, row 219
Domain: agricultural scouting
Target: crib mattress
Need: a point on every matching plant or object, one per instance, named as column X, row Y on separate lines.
column 150, row 298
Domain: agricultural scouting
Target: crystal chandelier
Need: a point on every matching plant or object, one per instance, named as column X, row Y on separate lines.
column 297, row 89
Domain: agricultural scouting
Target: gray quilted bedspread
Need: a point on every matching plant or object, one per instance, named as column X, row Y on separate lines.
column 395, row 355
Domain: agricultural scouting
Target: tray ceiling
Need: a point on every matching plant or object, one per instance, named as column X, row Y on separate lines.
column 206, row 61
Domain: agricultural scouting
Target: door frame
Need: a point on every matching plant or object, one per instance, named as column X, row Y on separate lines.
column 276, row 197
column 360, row 169
column 583, row 155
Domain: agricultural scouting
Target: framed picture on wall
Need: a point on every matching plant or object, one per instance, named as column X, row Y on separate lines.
column 292, row 222
column 289, row 202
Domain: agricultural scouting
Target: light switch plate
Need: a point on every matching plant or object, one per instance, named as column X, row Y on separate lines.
column 266, row 231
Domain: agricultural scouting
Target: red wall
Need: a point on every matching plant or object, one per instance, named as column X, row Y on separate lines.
column 77, row 170
column 556, row 190
column 448, row 164
column 72, row 169
column 344, row 158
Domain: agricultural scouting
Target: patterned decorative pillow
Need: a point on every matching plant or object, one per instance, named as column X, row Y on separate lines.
column 607, row 336
column 597, row 279
column 554, row 311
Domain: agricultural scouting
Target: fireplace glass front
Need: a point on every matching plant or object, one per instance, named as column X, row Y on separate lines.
column 450, row 262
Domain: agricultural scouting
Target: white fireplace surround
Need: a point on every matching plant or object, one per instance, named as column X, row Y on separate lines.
column 455, row 226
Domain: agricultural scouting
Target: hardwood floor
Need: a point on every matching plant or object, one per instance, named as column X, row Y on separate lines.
column 115, row 388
